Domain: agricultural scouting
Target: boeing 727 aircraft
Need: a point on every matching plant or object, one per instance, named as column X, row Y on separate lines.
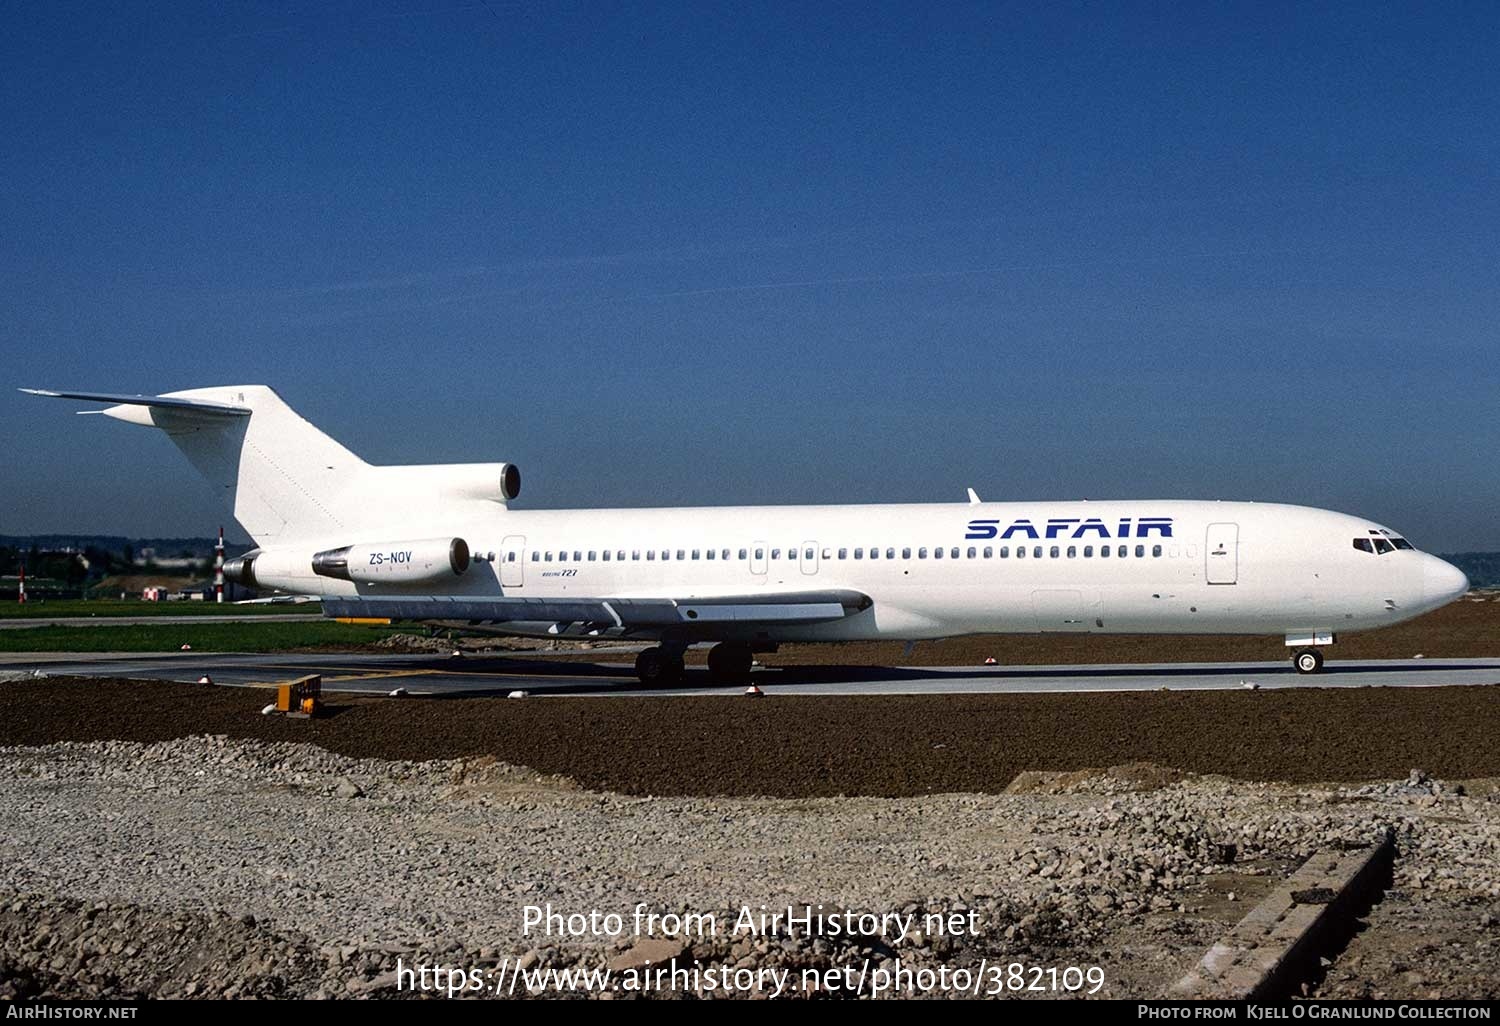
column 438, row 543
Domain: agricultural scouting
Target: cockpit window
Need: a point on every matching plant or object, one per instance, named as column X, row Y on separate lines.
column 1382, row 543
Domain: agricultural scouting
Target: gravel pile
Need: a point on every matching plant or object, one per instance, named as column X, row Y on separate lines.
column 217, row 867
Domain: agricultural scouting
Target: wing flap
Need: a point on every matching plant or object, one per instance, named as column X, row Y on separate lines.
column 792, row 608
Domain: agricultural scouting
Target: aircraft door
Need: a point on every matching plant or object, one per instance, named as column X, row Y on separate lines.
column 758, row 560
column 513, row 561
column 1222, row 554
column 809, row 557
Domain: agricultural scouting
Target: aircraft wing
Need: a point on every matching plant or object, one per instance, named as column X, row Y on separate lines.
column 627, row 613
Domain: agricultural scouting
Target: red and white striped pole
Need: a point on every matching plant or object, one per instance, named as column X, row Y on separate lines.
column 219, row 568
column 21, row 594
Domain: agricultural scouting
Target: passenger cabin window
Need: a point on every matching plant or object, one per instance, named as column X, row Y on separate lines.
column 1005, row 552
column 1140, row 550
column 535, row 556
column 891, row 553
column 593, row 555
column 681, row 554
column 922, row 552
column 1104, row 552
column 989, row 552
column 859, row 553
column 651, row 555
column 1088, row 552
column 973, row 552
column 710, row 553
column 1155, row 551
column 695, row 553
column 1123, row 551
column 807, row 553
column 1072, row 551
column 937, row 553
column 953, row 552
column 1020, row 552
column 606, row 555
column 843, row 553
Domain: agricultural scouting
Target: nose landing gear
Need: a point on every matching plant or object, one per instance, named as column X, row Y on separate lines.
column 1308, row 660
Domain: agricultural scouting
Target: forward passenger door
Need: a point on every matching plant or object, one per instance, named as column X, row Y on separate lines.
column 1222, row 554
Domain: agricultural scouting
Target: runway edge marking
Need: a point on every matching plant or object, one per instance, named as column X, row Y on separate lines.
column 1276, row 946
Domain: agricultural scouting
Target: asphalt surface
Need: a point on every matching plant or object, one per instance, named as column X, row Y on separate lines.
column 613, row 675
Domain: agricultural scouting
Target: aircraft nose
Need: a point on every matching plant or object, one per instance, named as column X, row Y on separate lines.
column 1442, row 582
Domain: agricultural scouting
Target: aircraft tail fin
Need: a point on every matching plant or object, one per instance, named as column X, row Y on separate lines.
column 280, row 475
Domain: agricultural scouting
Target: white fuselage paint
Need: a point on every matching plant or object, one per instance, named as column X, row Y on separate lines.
column 1279, row 569
column 1223, row 567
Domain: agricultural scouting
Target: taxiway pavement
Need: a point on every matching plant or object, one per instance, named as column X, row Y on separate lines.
column 612, row 674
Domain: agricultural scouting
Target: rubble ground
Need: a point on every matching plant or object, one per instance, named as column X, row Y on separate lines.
column 209, row 866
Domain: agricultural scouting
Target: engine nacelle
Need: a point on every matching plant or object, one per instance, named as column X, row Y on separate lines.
column 285, row 570
column 398, row 562
column 492, row 482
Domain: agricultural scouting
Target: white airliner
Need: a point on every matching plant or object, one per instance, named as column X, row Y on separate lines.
column 438, row 543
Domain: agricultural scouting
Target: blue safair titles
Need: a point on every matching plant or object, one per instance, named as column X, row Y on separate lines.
column 1073, row 527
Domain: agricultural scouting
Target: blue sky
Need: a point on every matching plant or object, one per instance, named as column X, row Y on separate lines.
column 711, row 253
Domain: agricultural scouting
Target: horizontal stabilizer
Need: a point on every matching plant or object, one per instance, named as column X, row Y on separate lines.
column 160, row 401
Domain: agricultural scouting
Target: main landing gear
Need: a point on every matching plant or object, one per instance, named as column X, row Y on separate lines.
column 1308, row 660
column 728, row 662
column 659, row 665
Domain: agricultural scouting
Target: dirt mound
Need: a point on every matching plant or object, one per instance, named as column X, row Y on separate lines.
column 806, row 746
